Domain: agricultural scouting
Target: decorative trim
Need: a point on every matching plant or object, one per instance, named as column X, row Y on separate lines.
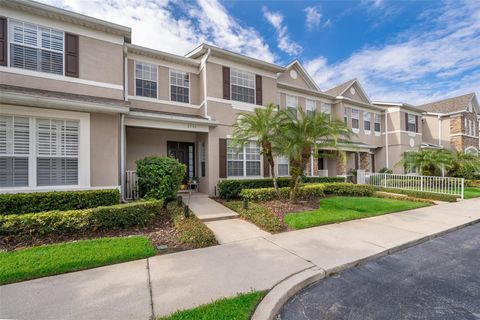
column 158, row 101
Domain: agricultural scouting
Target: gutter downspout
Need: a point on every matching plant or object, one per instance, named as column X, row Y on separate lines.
column 439, row 131
column 204, row 62
column 386, row 141
column 125, row 73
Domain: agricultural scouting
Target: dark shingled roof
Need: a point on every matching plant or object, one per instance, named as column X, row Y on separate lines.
column 454, row 104
column 335, row 91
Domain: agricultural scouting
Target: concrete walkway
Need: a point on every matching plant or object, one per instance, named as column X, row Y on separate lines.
column 163, row 284
column 224, row 222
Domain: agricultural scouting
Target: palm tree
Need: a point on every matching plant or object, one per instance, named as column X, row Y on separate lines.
column 261, row 125
column 427, row 162
column 302, row 135
column 465, row 165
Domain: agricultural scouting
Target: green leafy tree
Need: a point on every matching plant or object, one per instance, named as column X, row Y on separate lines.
column 302, row 135
column 465, row 165
column 261, row 125
column 427, row 162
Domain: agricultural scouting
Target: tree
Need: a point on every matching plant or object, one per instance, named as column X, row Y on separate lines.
column 261, row 125
column 300, row 136
column 427, row 162
column 465, row 165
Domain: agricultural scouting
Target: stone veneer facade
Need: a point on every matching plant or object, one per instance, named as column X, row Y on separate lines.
column 459, row 141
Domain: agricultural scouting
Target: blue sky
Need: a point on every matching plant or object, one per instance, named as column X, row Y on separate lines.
column 409, row 51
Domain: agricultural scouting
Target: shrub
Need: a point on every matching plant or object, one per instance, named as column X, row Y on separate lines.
column 258, row 215
column 19, row 203
column 231, row 188
column 192, row 232
column 159, row 177
column 348, row 189
column 472, row 183
column 32, row 225
column 306, row 192
column 380, row 194
column 386, row 170
column 422, row 194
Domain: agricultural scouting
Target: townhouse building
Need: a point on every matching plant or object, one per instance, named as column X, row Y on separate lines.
column 80, row 104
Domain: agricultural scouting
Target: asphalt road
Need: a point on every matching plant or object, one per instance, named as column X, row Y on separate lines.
column 438, row 279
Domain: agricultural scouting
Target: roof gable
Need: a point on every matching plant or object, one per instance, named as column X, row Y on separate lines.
column 454, row 104
column 297, row 76
column 351, row 89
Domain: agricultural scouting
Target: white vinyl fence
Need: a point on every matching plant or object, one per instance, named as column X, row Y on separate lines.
column 131, row 185
column 443, row 185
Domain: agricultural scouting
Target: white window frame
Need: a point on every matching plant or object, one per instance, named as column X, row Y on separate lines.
column 345, row 116
column 377, row 116
column 281, row 160
column 326, row 108
column 290, row 105
column 254, row 86
column 170, row 85
column 135, row 79
column 310, row 105
column 83, row 146
column 411, row 116
column 244, row 161
column 366, row 115
column 11, row 22
column 355, row 115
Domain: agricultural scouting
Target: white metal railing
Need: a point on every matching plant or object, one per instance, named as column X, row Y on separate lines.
column 131, row 185
column 323, row 173
column 443, row 185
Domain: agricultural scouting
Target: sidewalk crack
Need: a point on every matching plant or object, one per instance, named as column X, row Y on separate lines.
column 291, row 252
column 150, row 290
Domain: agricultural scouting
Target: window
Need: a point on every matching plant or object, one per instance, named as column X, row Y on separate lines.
column 243, row 161
column 367, row 121
column 377, row 122
column 326, row 108
column 310, row 106
column 292, row 104
column 345, row 115
column 57, row 152
column 202, row 159
column 14, row 151
column 470, row 125
column 179, row 86
column 34, row 47
column 242, row 86
column 412, row 123
column 355, row 117
column 146, row 80
column 283, row 166
column 53, row 150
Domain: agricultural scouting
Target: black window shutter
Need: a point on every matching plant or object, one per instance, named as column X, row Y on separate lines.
column 71, row 55
column 226, row 83
column 416, row 124
column 223, row 158
column 406, row 121
column 258, row 88
column 3, row 41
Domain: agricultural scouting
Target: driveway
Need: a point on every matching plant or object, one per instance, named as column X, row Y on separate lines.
column 438, row 279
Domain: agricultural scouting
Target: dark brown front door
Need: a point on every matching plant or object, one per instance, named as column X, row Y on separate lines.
column 184, row 152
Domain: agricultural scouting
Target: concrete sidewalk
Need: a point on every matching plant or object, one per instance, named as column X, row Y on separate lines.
column 190, row 278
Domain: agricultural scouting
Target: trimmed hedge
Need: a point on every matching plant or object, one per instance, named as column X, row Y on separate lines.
column 306, row 192
column 19, row 203
column 380, row 194
column 192, row 232
column 32, row 225
column 349, row 189
column 258, row 215
column 472, row 183
column 231, row 188
column 422, row 195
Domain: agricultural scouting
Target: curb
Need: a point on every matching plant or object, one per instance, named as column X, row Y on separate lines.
column 284, row 290
column 271, row 304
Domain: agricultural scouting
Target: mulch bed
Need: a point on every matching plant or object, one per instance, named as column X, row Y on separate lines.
column 283, row 207
column 161, row 233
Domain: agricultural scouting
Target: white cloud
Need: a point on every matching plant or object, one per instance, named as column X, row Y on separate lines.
column 425, row 63
column 313, row 18
column 284, row 42
column 175, row 26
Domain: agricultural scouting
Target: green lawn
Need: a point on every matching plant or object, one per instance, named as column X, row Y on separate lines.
column 236, row 308
column 338, row 209
column 471, row 192
column 36, row 262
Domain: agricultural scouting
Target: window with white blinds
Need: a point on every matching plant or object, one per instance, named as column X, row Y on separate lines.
column 37, row 48
column 14, row 151
column 57, row 152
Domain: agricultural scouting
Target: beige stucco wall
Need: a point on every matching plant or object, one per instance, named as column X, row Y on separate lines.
column 298, row 82
column 143, row 142
column 104, row 149
column 358, row 96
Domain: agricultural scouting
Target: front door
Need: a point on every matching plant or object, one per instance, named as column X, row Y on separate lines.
column 184, row 152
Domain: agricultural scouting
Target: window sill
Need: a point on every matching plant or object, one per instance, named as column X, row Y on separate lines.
column 355, row 130
column 377, row 134
column 244, row 177
column 367, row 132
column 244, row 106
